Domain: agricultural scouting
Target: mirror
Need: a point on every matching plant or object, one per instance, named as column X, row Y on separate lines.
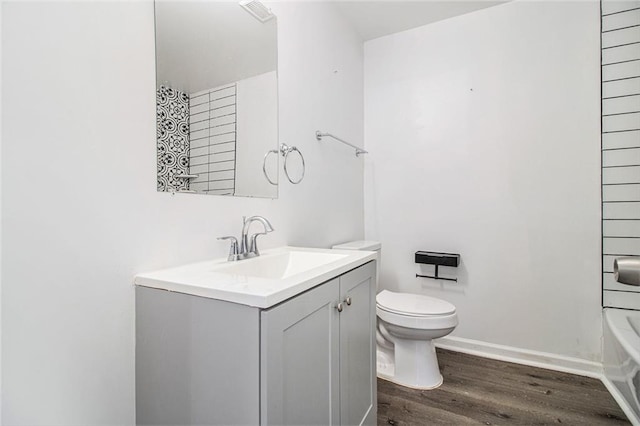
column 217, row 98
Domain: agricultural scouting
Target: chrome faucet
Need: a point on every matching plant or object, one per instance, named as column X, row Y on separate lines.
column 248, row 246
column 251, row 250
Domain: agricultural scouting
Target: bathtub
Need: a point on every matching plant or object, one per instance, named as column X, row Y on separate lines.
column 622, row 359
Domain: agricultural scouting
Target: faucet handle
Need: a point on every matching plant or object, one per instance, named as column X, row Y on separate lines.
column 233, row 250
column 233, row 239
column 253, row 246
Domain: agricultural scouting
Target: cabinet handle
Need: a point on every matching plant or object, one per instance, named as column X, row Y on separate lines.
column 339, row 307
column 348, row 300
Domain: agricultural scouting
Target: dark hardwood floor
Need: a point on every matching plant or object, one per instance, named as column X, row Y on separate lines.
column 484, row 391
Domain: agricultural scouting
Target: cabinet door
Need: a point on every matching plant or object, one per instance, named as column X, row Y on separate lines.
column 299, row 362
column 358, row 401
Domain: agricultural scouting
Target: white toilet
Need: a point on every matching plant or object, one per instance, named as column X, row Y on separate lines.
column 407, row 325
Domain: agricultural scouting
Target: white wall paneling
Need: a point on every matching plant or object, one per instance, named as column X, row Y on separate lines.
column 621, row 105
column 618, row 54
column 620, row 140
column 621, row 246
column 621, row 211
column 621, row 122
column 611, row 7
column 616, row 21
column 620, row 175
column 620, row 145
column 626, row 87
column 621, row 37
column 621, row 228
column 620, row 71
column 213, row 132
column 71, row 249
column 622, row 299
column 484, row 138
column 612, row 193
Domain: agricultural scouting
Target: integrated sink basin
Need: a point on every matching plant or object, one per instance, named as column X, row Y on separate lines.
column 280, row 265
column 263, row 281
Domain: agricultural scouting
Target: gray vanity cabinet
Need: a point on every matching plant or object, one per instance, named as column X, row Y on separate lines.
column 358, row 390
column 206, row 361
column 318, row 361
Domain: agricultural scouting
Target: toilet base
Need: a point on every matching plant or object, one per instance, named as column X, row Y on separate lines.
column 385, row 367
column 392, row 380
column 413, row 364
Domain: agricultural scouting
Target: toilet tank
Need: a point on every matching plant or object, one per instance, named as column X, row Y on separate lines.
column 363, row 245
column 359, row 245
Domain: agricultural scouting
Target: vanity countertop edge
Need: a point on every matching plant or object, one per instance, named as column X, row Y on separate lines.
column 201, row 279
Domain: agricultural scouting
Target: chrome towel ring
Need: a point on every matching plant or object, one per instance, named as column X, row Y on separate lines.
column 264, row 166
column 288, row 150
column 284, row 150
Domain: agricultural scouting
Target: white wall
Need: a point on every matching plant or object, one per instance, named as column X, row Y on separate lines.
column 257, row 134
column 1, row 221
column 484, row 138
column 80, row 211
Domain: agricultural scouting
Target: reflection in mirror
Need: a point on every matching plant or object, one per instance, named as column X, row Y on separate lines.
column 217, row 98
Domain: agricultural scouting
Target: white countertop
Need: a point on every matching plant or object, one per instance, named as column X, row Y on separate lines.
column 278, row 274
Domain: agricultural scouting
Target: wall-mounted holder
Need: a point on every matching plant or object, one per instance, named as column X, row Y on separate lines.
column 437, row 259
column 626, row 270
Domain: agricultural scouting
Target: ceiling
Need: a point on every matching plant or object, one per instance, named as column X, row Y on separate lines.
column 373, row 19
column 204, row 44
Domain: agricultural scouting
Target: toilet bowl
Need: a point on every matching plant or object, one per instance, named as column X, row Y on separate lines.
column 410, row 322
column 407, row 324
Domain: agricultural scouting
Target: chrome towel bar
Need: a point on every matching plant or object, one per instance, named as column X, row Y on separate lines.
column 320, row 135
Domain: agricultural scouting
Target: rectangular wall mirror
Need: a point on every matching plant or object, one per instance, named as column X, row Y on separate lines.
column 217, row 98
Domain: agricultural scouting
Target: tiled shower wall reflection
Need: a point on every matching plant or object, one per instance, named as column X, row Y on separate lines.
column 620, row 145
column 172, row 115
column 213, row 140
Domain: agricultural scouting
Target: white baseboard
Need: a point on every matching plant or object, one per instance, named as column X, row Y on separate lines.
column 546, row 360
column 522, row 356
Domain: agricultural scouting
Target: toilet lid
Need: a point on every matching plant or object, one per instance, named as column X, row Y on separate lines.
column 413, row 304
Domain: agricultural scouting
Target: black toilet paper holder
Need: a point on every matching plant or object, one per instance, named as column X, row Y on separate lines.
column 437, row 259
